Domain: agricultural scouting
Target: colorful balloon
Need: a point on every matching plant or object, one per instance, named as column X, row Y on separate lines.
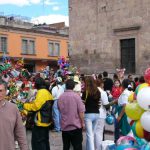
column 138, row 129
column 130, row 121
column 134, row 111
column 110, row 119
column 127, row 147
column 147, row 75
column 145, row 121
column 131, row 97
column 126, row 140
column 147, row 135
column 141, row 86
column 143, row 98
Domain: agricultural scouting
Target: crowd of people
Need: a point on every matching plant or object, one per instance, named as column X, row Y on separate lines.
column 69, row 101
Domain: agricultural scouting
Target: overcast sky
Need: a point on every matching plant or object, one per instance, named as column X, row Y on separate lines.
column 38, row 11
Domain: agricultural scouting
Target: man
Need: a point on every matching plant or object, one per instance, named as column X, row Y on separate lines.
column 11, row 126
column 42, row 108
column 72, row 117
column 108, row 83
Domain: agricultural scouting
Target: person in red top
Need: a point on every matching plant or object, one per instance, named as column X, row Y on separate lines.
column 116, row 90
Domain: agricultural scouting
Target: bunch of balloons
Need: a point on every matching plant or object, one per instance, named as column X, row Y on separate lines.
column 138, row 109
column 127, row 143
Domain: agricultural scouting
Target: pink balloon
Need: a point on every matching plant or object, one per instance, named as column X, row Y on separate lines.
column 147, row 75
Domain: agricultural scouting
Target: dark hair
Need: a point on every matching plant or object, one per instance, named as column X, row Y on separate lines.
column 141, row 79
column 99, row 82
column 100, row 76
column 105, row 74
column 125, row 83
column 115, row 77
column 70, row 84
column 136, row 79
column 118, row 81
column 40, row 83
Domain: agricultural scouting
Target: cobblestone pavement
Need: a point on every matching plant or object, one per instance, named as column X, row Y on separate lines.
column 56, row 139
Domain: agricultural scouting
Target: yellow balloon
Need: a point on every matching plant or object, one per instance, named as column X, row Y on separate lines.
column 134, row 111
column 139, row 129
column 141, row 86
column 131, row 97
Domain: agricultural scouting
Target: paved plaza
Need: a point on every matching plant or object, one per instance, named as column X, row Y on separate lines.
column 56, row 139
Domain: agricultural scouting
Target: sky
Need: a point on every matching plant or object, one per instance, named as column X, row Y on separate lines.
column 36, row 11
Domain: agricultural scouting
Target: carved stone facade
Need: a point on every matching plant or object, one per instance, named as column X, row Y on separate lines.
column 96, row 28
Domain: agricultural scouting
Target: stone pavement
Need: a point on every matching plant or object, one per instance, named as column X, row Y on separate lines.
column 56, row 139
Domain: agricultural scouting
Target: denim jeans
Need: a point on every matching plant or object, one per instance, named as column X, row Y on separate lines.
column 99, row 133
column 56, row 116
column 91, row 120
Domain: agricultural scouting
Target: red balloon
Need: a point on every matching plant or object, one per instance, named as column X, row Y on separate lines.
column 147, row 135
column 147, row 75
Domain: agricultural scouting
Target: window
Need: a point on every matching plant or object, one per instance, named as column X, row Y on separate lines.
column 3, row 44
column 54, row 48
column 28, row 46
column 128, row 55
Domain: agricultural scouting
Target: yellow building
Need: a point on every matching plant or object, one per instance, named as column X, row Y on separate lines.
column 40, row 47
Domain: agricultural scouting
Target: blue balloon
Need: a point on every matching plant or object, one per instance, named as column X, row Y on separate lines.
column 124, row 147
column 110, row 119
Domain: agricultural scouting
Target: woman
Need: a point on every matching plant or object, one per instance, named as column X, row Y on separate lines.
column 101, row 122
column 122, row 125
column 91, row 97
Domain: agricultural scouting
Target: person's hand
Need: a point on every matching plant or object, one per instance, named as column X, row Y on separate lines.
column 115, row 101
column 83, row 126
column 118, row 119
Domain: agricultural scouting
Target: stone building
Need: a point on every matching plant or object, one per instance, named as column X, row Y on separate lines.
column 110, row 34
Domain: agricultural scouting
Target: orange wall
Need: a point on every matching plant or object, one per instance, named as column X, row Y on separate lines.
column 41, row 44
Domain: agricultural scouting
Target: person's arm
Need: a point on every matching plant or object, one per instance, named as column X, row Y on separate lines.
column 38, row 102
column 19, row 132
column 121, row 114
column 81, row 115
column 81, row 110
column 105, row 101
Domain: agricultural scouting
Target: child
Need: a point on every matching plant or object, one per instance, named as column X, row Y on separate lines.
column 116, row 90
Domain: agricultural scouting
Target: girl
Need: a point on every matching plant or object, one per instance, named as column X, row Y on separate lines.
column 91, row 97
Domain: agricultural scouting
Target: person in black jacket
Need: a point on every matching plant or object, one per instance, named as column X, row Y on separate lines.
column 108, row 83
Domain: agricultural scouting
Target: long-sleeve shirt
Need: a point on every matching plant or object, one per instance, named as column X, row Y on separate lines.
column 11, row 128
column 70, row 106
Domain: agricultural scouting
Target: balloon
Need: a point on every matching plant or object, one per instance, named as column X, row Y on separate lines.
column 138, row 129
column 110, row 119
column 130, row 121
column 131, row 97
column 147, row 135
column 143, row 98
column 141, row 86
column 147, row 75
column 145, row 121
column 127, row 147
column 140, row 141
column 133, row 108
column 126, row 140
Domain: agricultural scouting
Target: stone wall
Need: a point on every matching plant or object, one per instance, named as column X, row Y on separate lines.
column 96, row 27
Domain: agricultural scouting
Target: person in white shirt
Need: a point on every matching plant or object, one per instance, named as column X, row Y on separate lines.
column 77, row 87
column 57, row 90
column 103, row 106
